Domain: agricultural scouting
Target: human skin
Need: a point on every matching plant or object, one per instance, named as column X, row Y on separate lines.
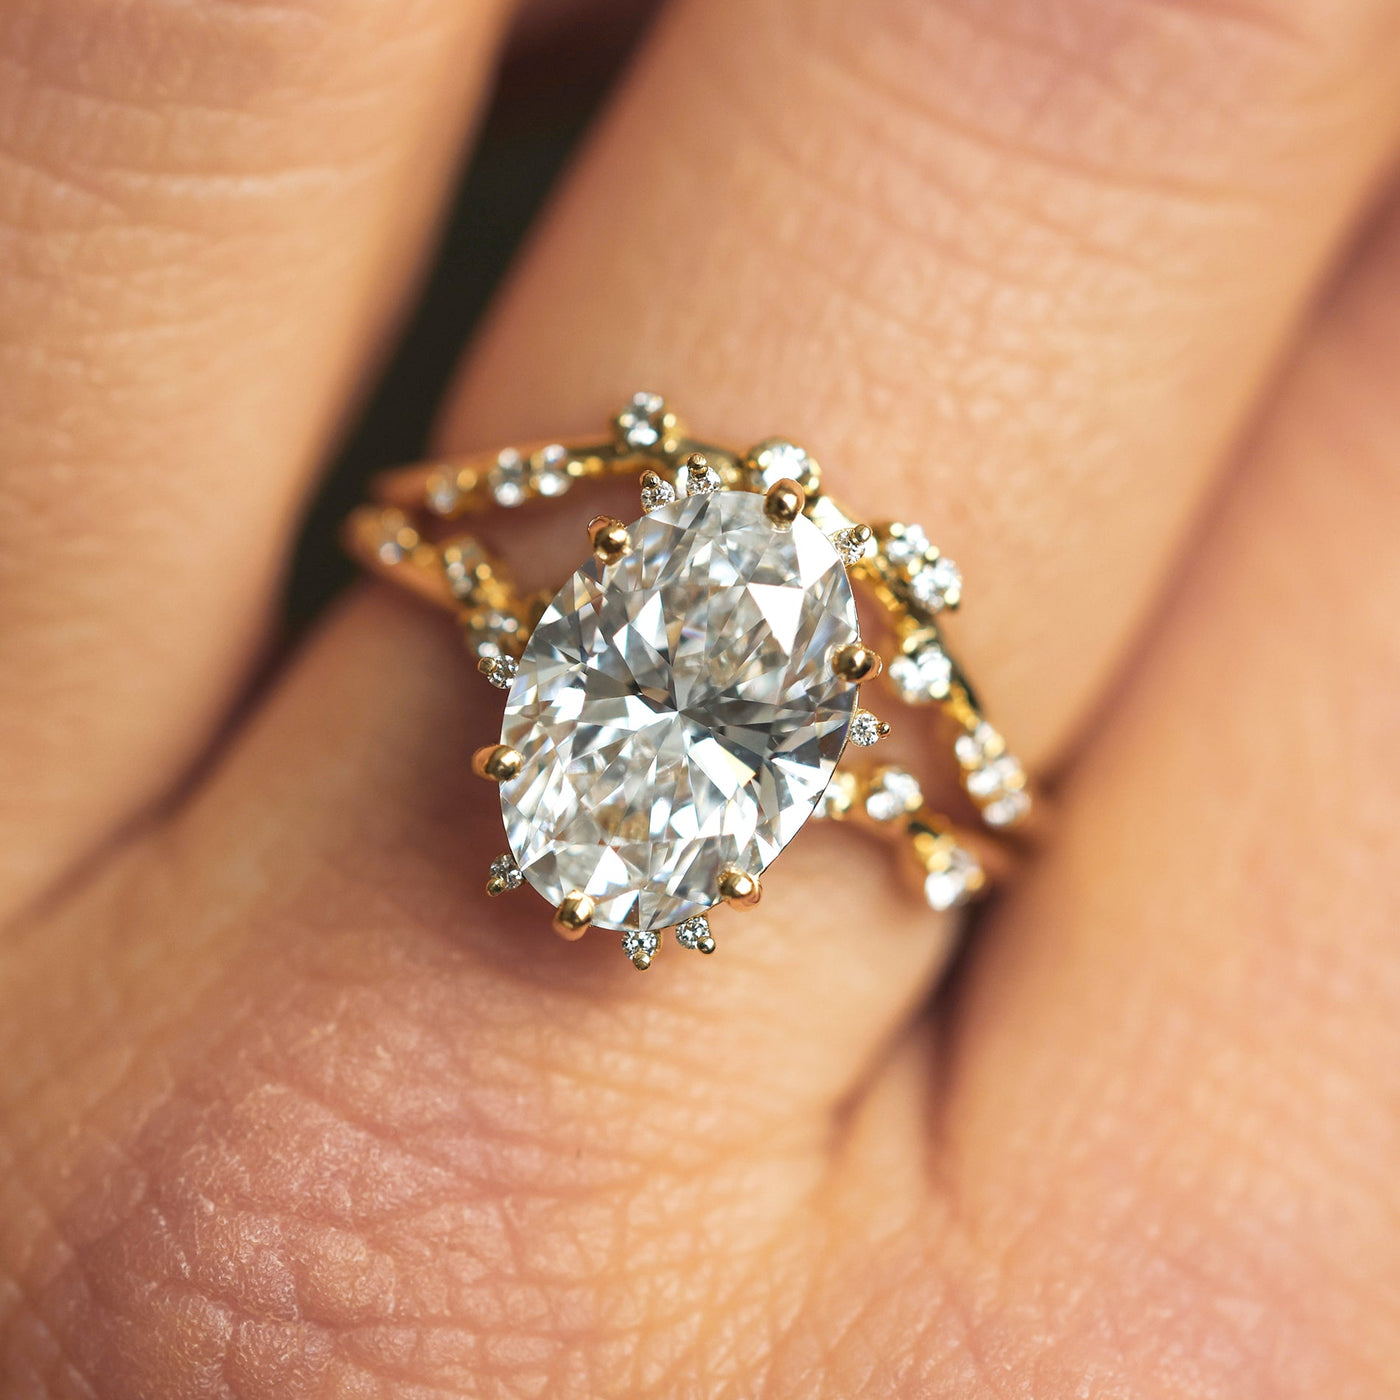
column 1107, row 294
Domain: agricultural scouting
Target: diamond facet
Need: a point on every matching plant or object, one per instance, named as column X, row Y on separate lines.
column 676, row 712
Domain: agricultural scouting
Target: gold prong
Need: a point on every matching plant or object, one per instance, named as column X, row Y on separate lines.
column 642, row 961
column 783, row 502
column 697, row 465
column 496, row 885
column 738, row 888
column 856, row 662
column 574, row 914
column 706, row 944
column 497, row 762
column 609, row 538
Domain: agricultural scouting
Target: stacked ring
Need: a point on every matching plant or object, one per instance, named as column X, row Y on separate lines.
column 678, row 710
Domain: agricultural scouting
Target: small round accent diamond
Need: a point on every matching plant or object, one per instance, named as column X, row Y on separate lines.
column 550, row 475
column 867, row 729
column 937, row 585
column 922, row 674
column 906, row 546
column 656, row 491
column 776, row 459
column 695, row 933
column 499, row 670
column 640, row 423
column 443, row 495
column 504, row 869
column 641, row 943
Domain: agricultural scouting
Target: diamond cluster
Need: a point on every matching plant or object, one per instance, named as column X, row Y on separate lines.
column 994, row 779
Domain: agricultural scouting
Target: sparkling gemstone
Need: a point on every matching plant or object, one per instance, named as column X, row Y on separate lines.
column 550, row 471
column 640, row 943
column 499, row 670
column 937, row 585
column 922, row 674
column 906, row 545
column 693, row 931
column 507, row 478
column 656, row 491
column 893, row 793
column 640, row 421
column 777, row 459
column 865, row 729
column 996, row 777
column 953, row 883
column 854, row 542
column 503, row 868
column 676, row 712
column 701, row 480
column 443, row 495
column 1007, row 809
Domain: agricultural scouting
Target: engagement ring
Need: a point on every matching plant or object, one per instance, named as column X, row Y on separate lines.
column 677, row 711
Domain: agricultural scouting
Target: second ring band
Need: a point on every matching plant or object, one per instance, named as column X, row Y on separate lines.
column 713, row 648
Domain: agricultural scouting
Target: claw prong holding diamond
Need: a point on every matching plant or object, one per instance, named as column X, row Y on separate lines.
column 573, row 916
column 609, row 539
column 497, row 762
column 739, row 889
column 783, row 502
column 856, row 662
column 694, row 932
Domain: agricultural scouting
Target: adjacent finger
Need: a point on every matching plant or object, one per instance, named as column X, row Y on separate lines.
column 207, row 217
column 1173, row 1072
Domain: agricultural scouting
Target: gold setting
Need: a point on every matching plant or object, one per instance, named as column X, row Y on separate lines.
column 412, row 535
column 497, row 763
column 573, row 916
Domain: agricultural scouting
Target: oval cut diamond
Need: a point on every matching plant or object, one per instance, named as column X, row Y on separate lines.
column 677, row 711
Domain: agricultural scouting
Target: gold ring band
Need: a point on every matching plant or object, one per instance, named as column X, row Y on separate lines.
column 414, row 535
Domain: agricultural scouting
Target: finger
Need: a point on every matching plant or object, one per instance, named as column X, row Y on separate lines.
column 1019, row 281
column 449, row 1151
column 1174, row 1073
column 207, row 216
column 1065, row 508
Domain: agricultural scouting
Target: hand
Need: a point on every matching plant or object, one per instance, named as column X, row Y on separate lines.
column 288, row 1111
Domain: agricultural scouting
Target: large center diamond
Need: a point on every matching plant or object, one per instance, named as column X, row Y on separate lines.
column 677, row 711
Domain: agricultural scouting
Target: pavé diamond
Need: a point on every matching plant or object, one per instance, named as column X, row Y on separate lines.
column 777, row 459
column 507, row 478
column 954, row 881
column 921, row 674
column 676, row 711
column 894, row 792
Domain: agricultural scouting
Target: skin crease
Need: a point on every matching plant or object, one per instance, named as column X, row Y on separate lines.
column 288, row 1111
